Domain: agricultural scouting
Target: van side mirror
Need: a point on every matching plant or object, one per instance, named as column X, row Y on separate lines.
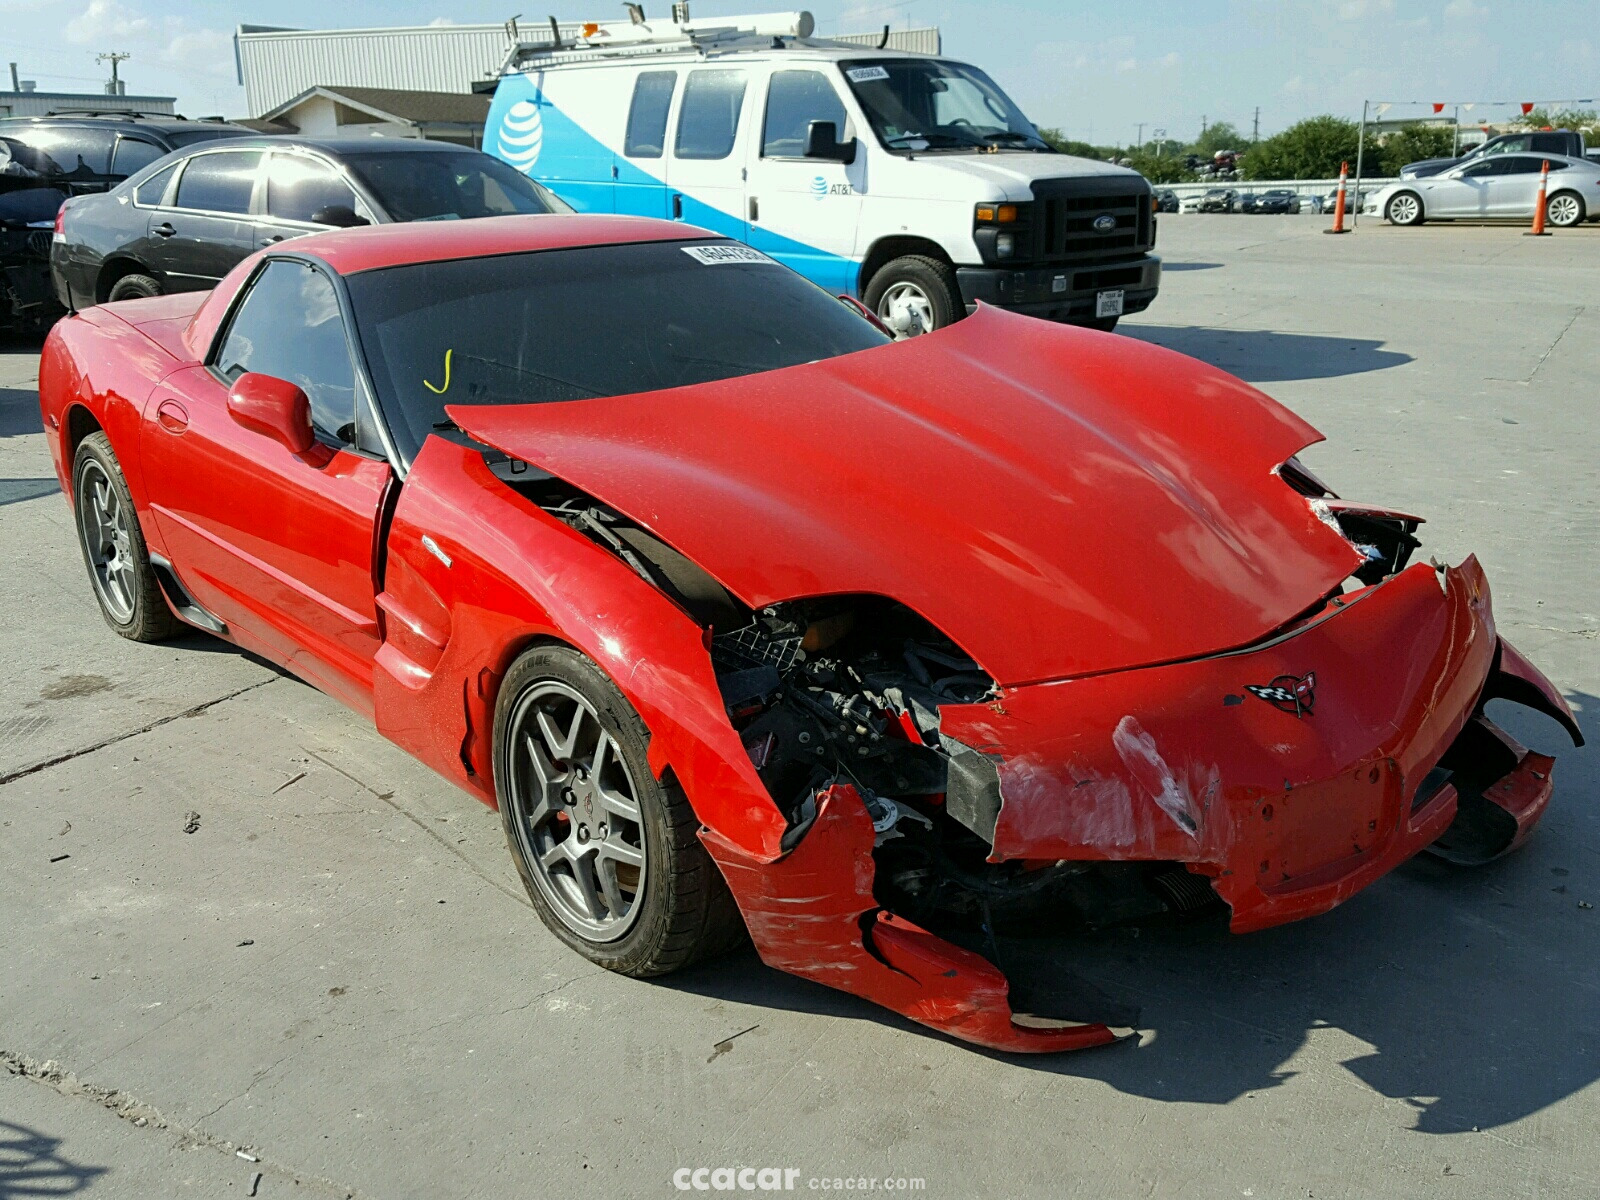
column 274, row 408
column 341, row 216
column 822, row 141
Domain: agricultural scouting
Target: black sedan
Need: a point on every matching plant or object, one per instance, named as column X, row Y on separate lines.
column 184, row 221
column 1276, row 200
column 1166, row 200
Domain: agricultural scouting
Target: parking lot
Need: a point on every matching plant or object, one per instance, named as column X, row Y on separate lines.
column 243, row 935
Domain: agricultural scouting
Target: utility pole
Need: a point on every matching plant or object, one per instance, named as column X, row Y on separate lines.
column 1255, row 127
column 1202, row 124
column 1139, row 144
column 113, row 85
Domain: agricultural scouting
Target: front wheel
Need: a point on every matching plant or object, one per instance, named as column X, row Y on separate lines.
column 609, row 854
column 914, row 295
column 1564, row 210
column 1404, row 208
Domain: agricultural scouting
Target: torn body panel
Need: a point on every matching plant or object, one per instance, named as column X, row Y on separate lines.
column 813, row 914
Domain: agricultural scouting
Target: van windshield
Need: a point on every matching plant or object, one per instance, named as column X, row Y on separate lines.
column 921, row 104
column 555, row 325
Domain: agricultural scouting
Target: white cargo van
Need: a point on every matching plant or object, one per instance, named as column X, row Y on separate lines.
column 910, row 181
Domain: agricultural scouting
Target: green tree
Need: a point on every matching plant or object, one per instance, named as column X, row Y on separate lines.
column 1312, row 149
column 1166, row 169
column 1218, row 136
column 1059, row 141
column 1408, row 145
column 1561, row 118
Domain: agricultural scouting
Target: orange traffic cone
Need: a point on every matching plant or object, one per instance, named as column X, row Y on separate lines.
column 1338, row 204
column 1538, row 229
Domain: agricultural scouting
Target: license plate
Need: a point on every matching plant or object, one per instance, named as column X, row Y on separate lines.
column 1108, row 304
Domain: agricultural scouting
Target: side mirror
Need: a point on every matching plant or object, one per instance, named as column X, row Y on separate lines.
column 340, row 215
column 822, row 141
column 275, row 408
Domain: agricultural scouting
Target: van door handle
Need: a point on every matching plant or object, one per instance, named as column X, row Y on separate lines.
column 755, row 209
column 163, row 230
column 677, row 206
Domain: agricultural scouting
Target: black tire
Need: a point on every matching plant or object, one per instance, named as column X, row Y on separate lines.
column 685, row 912
column 135, row 287
column 1410, row 211
column 931, row 278
column 1568, row 215
column 126, row 587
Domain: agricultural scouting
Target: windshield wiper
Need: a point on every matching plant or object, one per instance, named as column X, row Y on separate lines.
column 1008, row 135
column 933, row 139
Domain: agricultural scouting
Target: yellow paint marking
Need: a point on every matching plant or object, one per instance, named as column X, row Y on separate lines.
column 439, row 391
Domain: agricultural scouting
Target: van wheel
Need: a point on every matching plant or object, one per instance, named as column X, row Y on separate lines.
column 135, row 287
column 915, row 294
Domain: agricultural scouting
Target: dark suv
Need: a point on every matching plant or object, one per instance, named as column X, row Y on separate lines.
column 1544, row 141
column 185, row 221
column 45, row 160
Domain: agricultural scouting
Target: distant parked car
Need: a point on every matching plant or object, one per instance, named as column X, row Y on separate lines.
column 1562, row 142
column 46, row 160
column 1219, row 200
column 1352, row 200
column 184, row 221
column 1496, row 185
column 1166, row 200
column 1247, row 202
column 1275, row 200
column 1190, row 203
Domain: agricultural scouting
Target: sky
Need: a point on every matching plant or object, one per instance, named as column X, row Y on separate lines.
column 1095, row 70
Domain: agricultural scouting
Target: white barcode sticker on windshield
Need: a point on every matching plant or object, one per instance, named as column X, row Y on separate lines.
column 716, row 256
column 866, row 74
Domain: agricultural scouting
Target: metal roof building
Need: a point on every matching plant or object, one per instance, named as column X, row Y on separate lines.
column 278, row 65
column 30, row 103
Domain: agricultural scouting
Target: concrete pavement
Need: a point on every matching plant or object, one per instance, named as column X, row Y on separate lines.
column 337, row 973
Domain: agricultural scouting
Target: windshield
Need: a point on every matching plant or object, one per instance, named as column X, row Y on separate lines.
column 447, row 186
column 918, row 104
column 574, row 324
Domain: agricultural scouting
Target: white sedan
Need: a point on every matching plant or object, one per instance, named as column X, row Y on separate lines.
column 1499, row 185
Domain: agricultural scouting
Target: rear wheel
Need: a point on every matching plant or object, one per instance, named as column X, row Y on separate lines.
column 915, row 294
column 610, row 855
column 1404, row 208
column 113, row 546
column 135, row 287
column 1564, row 210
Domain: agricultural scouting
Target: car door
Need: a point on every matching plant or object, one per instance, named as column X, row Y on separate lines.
column 299, row 186
column 805, row 211
column 207, row 229
column 642, row 167
column 278, row 546
column 1514, row 185
column 1463, row 193
column 706, row 165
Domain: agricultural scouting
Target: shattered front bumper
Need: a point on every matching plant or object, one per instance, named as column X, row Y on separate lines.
column 1291, row 774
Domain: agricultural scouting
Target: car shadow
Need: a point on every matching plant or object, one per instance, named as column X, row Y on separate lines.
column 19, row 412
column 1264, row 356
column 15, row 491
column 1465, row 993
column 31, row 1165
column 1188, row 266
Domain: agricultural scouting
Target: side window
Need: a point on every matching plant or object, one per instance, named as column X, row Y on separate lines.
column 708, row 122
column 288, row 326
column 1489, row 166
column 133, row 154
column 219, row 183
column 1520, row 165
column 151, row 192
column 298, row 187
column 794, row 100
column 647, row 114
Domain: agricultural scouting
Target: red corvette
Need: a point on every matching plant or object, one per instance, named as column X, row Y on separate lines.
column 753, row 622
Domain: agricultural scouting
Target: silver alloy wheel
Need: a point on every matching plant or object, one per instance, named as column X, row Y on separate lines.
column 577, row 811
column 1404, row 209
column 103, row 525
column 1563, row 210
column 906, row 309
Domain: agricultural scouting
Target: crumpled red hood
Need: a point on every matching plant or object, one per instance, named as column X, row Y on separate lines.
column 1059, row 502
